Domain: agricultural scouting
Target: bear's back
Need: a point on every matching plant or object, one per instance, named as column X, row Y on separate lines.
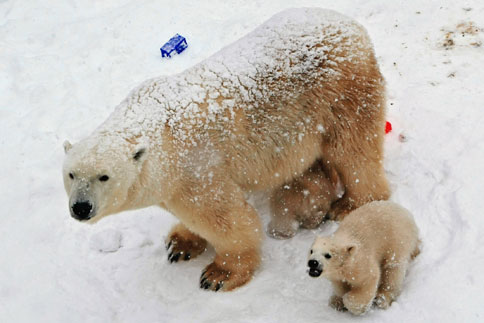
column 293, row 51
column 383, row 227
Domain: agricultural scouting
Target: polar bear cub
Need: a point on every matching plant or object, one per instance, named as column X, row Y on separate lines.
column 367, row 257
column 305, row 202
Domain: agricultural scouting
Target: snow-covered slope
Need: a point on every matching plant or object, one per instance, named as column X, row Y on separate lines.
column 64, row 66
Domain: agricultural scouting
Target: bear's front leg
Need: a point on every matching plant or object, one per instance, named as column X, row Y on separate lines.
column 359, row 299
column 336, row 302
column 183, row 244
column 390, row 284
column 219, row 213
column 339, row 289
column 229, row 270
column 236, row 234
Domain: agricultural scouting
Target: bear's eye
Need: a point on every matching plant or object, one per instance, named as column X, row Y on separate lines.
column 327, row 256
column 104, row 178
column 71, row 175
column 311, row 251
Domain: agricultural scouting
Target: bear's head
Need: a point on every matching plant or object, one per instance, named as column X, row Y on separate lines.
column 330, row 255
column 99, row 172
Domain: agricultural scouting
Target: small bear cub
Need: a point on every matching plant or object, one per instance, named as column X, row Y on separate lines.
column 367, row 257
column 305, row 202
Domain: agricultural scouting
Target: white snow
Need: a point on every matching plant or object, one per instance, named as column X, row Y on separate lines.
column 65, row 65
column 108, row 240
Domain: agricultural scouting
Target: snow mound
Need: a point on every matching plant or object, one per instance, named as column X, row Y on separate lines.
column 108, row 240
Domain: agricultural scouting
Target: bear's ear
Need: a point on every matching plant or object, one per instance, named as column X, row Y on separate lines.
column 67, row 146
column 351, row 249
column 140, row 154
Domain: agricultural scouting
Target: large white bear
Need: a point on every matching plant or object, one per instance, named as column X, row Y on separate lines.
column 301, row 89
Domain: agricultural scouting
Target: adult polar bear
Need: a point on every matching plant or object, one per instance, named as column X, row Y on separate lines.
column 301, row 88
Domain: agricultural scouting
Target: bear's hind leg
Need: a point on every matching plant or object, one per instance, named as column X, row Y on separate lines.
column 364, row 180
column 183, row 244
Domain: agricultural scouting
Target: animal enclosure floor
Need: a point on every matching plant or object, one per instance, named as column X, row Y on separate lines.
column 65, row 65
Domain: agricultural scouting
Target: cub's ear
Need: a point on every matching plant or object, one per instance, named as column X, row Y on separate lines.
column 336, row 182
column 140, row 153
column 67, row 146
column 351, row 249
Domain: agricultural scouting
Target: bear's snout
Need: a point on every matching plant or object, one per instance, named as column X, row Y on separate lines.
column 315, row 269
column 81, row 210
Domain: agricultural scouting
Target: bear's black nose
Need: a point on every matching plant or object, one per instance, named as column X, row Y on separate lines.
column 315, row 269
column 81, row 210
column 313, row 263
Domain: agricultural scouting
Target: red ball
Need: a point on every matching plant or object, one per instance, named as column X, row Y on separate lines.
column 388, row 127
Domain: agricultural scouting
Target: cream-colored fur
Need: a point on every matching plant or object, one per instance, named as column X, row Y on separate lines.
column 305, row 202
column 303, row 86
column 367, row 257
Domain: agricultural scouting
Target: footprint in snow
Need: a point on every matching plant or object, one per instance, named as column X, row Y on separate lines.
column 106, row 241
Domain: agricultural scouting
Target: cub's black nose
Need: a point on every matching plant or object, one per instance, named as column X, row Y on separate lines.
column 315, row 269
column 81, row 210
column 313, row 263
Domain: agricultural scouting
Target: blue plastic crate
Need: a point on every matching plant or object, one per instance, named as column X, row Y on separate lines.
column 177, row 43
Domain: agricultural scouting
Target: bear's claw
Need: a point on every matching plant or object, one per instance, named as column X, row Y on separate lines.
column 206, row 284
column 383, row 300
column 180, row 248
column 336, row 302
column 213, row 278
column 173, row 257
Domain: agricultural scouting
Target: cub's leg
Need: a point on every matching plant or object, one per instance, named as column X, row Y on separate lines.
column 391, row 284
column 183, row 244
column 218, row 212
column 304, row 202
column 284, row 223
column 336, row 300
column 360, row 297
column 325, row 187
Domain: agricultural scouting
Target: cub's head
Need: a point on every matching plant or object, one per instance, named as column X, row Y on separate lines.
column 328, row 256
column 98, row 174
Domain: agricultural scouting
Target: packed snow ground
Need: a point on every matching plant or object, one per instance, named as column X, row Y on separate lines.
column 64, row 66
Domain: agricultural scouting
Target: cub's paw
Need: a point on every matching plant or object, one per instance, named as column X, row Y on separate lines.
column 282, row 231
column 355, row 307
column 313, row 220
column 184, row 247
column 336, row 302
column 383, row 300
column 339, row 210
